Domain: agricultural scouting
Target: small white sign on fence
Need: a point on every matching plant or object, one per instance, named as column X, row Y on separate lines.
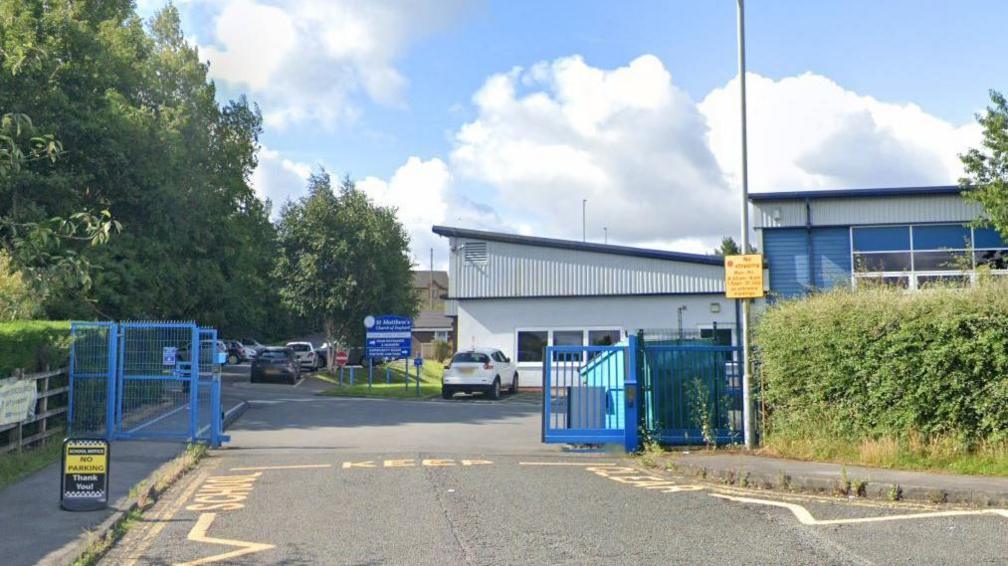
column 168, row 355
column 17, row 400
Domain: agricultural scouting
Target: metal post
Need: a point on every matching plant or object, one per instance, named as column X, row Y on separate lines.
column 584, row 220
column 352, row 368
column 341, row 376
column 370, row 372
column 407, row 374
column 215, row 413
column 750, row 437
column 194, row 383
column 631, row 417
column 418, row 381
column 388, row 374
column 111, row 390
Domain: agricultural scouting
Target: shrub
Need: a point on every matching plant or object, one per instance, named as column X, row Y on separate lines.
column 442, row 350
column 31, row 345
column 877, row 363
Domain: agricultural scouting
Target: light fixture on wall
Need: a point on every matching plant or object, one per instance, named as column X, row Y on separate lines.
column 715, row 308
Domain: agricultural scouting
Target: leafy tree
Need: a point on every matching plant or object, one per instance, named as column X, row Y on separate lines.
column 342, row 258
column 986, row 179
column 144, row 138
column 730, row 247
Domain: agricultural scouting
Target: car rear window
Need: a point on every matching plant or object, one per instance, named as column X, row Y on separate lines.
column 299, row 347
column 470, row 357
column 273, row 355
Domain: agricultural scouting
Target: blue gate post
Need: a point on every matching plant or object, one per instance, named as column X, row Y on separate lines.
column 418, row 368
column 70, row 379
column 215, row 413
column 194, row 372
column 351, row 375
column 370, row 373
column 407, row 374
column 631, row 439
column 111, row 394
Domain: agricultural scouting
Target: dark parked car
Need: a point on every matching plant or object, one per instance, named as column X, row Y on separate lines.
column 275, row 364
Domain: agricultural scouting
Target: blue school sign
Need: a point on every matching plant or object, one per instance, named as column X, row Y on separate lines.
column 389, row 336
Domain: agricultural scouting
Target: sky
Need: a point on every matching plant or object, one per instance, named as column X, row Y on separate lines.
column 506, row 115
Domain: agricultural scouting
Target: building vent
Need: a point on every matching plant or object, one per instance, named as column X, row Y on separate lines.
column 475, row 252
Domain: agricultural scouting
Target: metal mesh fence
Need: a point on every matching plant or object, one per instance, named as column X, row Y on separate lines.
column 584, row 393
column 156, row 379
column 90, row 373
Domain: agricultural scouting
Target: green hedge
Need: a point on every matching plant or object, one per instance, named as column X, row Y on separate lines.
column 33, row 344
column 881, row 363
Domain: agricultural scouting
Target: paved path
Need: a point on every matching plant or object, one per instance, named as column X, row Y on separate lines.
column 310, row 480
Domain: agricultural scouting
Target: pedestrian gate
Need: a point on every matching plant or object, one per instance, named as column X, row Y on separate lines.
column 145, row 380
column 674, row 391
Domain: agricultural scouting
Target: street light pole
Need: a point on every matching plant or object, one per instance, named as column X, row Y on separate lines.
column 584, row 220
column 747, row 405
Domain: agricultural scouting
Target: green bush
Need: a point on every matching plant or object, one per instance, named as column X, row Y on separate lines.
column 32, row 344
column 442, row 350
column 885, row 363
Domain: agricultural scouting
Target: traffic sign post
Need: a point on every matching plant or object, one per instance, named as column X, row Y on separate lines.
column 84, row 474
column 370, row 372
column 342, row 358
column 418, row 363
column 389, row 336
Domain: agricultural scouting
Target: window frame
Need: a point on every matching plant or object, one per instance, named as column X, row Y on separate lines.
column 549, row 337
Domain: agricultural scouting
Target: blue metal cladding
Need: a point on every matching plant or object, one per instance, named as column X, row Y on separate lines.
column 988, row 238
column 831, row 257
column 786, row 252
column 881, row 238
column 787, row 257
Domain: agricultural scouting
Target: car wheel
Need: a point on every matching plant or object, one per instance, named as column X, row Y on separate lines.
column 233, row 359
column 495, row 389
column 514, row 384
column 447, row 393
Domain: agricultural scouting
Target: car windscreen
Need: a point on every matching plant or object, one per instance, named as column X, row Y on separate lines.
column 299, row 347
column 273, row 356
column 470, row 358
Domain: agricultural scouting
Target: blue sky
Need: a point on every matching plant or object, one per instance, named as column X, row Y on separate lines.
column 630, row 105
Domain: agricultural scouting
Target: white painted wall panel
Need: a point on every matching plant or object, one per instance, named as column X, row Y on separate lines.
column 493, row 323
column 866, row 210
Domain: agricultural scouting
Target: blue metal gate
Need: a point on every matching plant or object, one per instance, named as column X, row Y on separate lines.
column 145, row 380
column 590, row 395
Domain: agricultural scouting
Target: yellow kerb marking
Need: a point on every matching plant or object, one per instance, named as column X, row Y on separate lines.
column 199, row 534
column 162, row 518
column 806, row 518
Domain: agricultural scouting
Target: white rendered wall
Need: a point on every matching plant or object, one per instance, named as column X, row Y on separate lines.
column 493, row 323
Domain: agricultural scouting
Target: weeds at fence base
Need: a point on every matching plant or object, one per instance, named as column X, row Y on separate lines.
column 14, row 466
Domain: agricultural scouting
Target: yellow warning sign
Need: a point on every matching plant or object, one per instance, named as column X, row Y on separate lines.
column 744, row 276
column 85, row 459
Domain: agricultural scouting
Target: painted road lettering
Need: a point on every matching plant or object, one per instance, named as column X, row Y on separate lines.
column 413, row 463
column 224, row 493
column 631, row 476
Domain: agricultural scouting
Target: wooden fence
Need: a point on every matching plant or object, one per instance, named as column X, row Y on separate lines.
column 50, row 411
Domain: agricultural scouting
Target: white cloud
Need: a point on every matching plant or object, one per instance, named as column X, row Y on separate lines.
column 304, row 60
column 279, row 179
column 808, row 132
column 626, row 139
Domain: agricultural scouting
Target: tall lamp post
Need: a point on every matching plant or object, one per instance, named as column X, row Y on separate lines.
column 747, row 405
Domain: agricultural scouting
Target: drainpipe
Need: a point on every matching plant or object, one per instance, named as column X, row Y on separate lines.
column 808, row 241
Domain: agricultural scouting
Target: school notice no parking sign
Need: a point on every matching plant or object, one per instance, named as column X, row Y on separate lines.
column 85, row 474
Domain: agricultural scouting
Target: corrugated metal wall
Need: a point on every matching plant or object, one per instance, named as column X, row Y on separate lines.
column 870, row 210
column 787, row 256
column 514, row 270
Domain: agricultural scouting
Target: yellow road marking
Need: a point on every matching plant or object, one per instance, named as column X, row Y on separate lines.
column 367, row 464
column 199, row 534
column 160, row 521
column 224, row 493
column 408, row 463
column 566, row 464
column 297, row 467
column 476, row 462
column 806, row 518
column 434, row 462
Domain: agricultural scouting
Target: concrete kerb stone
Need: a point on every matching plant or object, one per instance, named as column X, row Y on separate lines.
column 853, row 486
column 234, row 413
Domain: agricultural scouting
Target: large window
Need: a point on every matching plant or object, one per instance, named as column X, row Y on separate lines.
column 532, row 345
column 917, row 256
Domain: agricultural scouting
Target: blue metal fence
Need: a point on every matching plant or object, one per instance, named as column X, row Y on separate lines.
column 692, row 392
column 145, row 380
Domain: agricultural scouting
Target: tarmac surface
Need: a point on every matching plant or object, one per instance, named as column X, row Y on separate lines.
column 319, row 480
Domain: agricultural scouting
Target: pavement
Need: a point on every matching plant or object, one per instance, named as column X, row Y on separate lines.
column 33, row 527
column 322, row 480
column 823, row 477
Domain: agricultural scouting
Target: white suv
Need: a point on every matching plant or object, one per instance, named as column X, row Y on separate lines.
column 483, row 370
column 305, row 354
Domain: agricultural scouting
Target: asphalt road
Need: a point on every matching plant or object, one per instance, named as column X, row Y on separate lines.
column 313, row 480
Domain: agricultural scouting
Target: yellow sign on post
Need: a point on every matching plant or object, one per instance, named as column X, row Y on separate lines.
column 743, row 276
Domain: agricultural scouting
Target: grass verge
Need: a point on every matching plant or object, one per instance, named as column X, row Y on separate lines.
column 430, row 382
column 940, row 454
column 143, row 495
column 15, row 466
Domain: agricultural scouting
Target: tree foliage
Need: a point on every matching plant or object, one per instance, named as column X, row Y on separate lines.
column 342, row 258
column 142, row 140
column 986, row 179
